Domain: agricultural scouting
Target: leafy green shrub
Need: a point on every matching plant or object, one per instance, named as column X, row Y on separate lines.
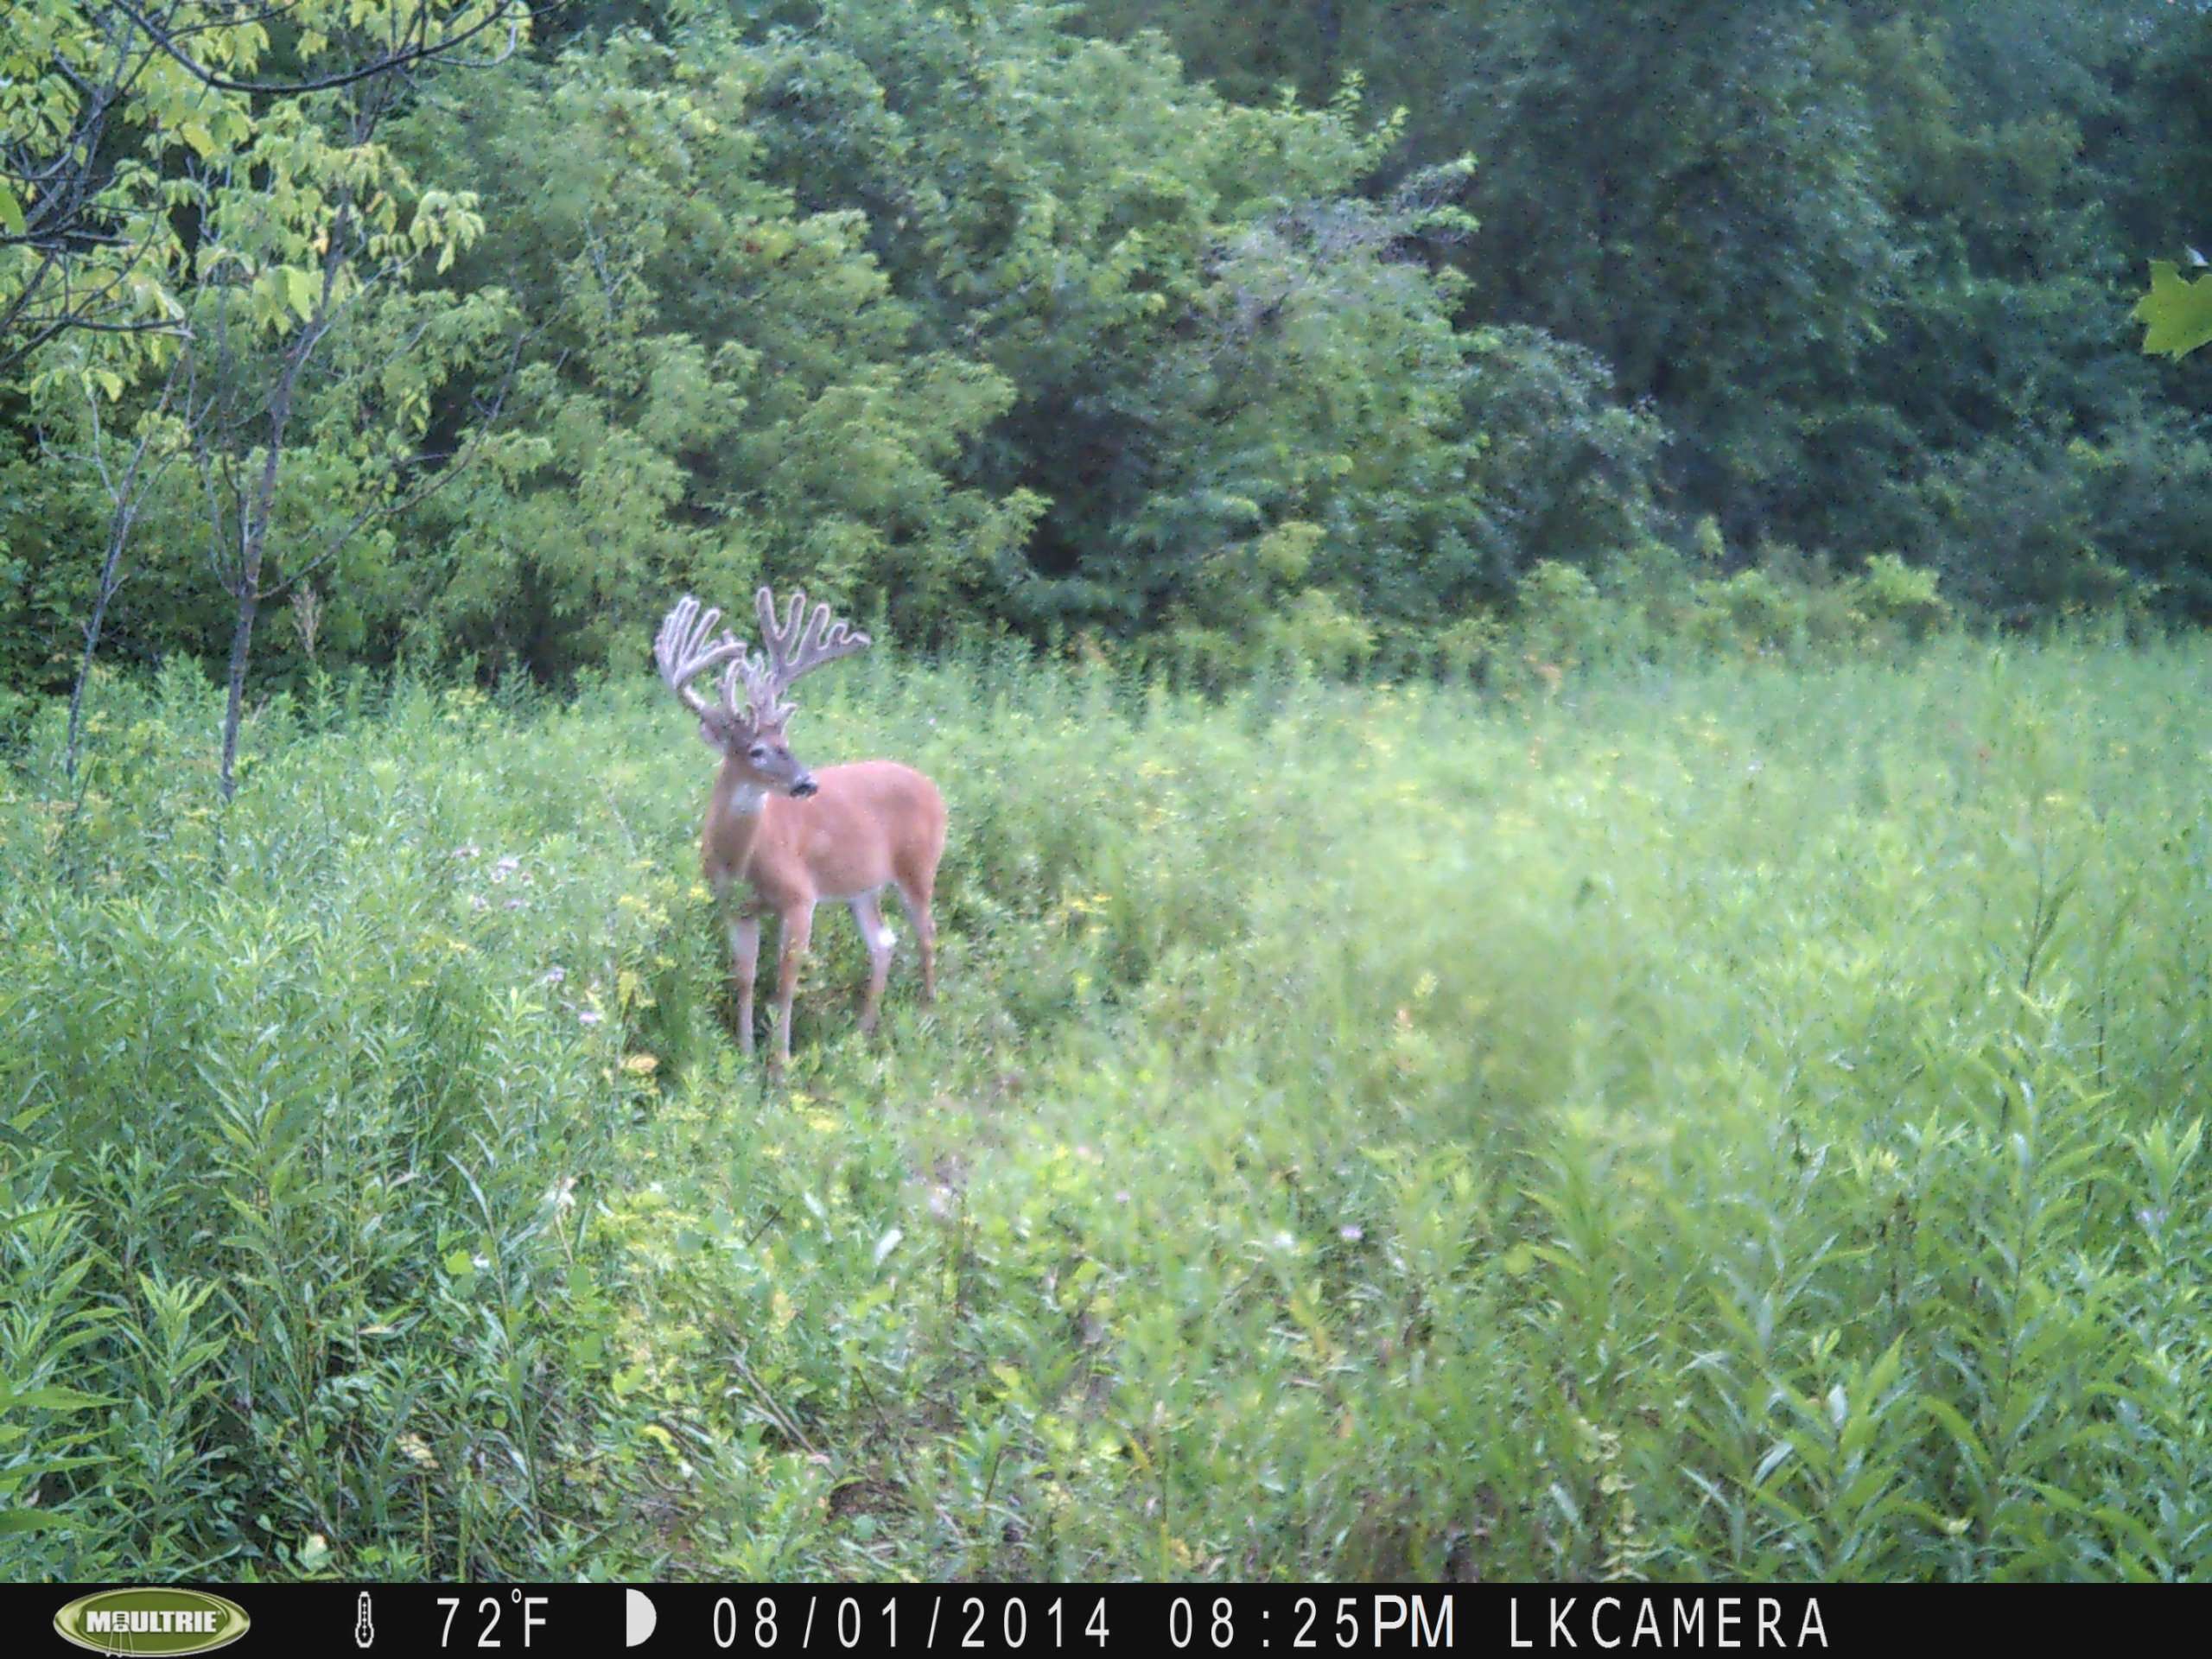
column 1559, row 613
column 1565, row 471
column 49, row 1440
column 1317, row 629
column 1755, row 610
column 2014, row 530
column 2148, row 480
column 1464, row 649
column 1903, row 596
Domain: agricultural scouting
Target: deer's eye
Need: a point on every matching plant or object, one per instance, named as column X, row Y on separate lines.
column 759, row 752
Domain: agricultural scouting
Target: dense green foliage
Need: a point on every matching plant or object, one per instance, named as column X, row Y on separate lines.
column 1651, row 1130
column 1871, row 263
column 1238, row 333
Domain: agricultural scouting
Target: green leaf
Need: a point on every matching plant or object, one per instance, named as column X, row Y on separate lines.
column 299, row 287
column 53, row 1397
column 26, row 1520
column 2176, row 313
column 11, row 212
column 1969, row 1443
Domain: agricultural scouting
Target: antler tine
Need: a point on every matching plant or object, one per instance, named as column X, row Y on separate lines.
column 735, row 678
column 768, row 708
column 799, row 645
column 682, row 650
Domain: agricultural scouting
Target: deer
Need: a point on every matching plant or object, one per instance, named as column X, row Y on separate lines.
column 783, row 838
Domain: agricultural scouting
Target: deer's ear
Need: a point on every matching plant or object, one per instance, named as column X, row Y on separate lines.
column 709, row 736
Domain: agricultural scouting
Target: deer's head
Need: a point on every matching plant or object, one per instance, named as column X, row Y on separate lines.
column 750, row 736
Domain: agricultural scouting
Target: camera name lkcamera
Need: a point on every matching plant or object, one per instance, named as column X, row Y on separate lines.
column 1661, row 1621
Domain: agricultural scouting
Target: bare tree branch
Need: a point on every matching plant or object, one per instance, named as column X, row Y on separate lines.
column 510, row 12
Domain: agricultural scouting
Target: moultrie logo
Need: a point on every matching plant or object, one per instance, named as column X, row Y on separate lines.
column 151, row 1621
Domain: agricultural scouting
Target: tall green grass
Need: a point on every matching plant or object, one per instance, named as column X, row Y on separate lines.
column 1733, row 1123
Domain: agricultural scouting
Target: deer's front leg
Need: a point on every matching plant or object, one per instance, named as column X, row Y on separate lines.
column 798, row 929
column 744, row 928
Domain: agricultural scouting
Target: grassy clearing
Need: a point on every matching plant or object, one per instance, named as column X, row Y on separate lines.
column 1745, row 1123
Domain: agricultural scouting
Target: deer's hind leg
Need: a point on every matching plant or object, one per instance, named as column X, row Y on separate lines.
column 868, row 916
column 914, row 899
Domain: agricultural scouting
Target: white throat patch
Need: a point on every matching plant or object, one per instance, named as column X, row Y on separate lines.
column 745, row 799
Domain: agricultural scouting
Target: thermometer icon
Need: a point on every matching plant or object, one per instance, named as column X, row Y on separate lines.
column 363, row 1631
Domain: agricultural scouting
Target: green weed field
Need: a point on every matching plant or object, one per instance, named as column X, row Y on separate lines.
column 1741, row 1123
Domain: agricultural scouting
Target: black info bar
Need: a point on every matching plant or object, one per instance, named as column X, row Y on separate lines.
column 1286, row 1619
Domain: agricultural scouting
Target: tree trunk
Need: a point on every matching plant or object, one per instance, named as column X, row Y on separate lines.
column 241, row 647
column 259, row 512
column 119, row 536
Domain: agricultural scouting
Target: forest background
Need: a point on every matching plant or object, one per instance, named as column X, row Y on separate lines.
column 1425, row 335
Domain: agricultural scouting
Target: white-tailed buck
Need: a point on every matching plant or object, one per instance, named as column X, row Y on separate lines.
column 780, row 838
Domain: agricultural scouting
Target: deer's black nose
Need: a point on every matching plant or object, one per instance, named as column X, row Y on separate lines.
column 805, row 787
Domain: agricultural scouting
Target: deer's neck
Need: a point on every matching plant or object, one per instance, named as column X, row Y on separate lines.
column 741, row 799
column 734, row 821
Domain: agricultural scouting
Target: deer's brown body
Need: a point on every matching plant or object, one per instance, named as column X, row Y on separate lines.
column 780, row 839
column 869, row 825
